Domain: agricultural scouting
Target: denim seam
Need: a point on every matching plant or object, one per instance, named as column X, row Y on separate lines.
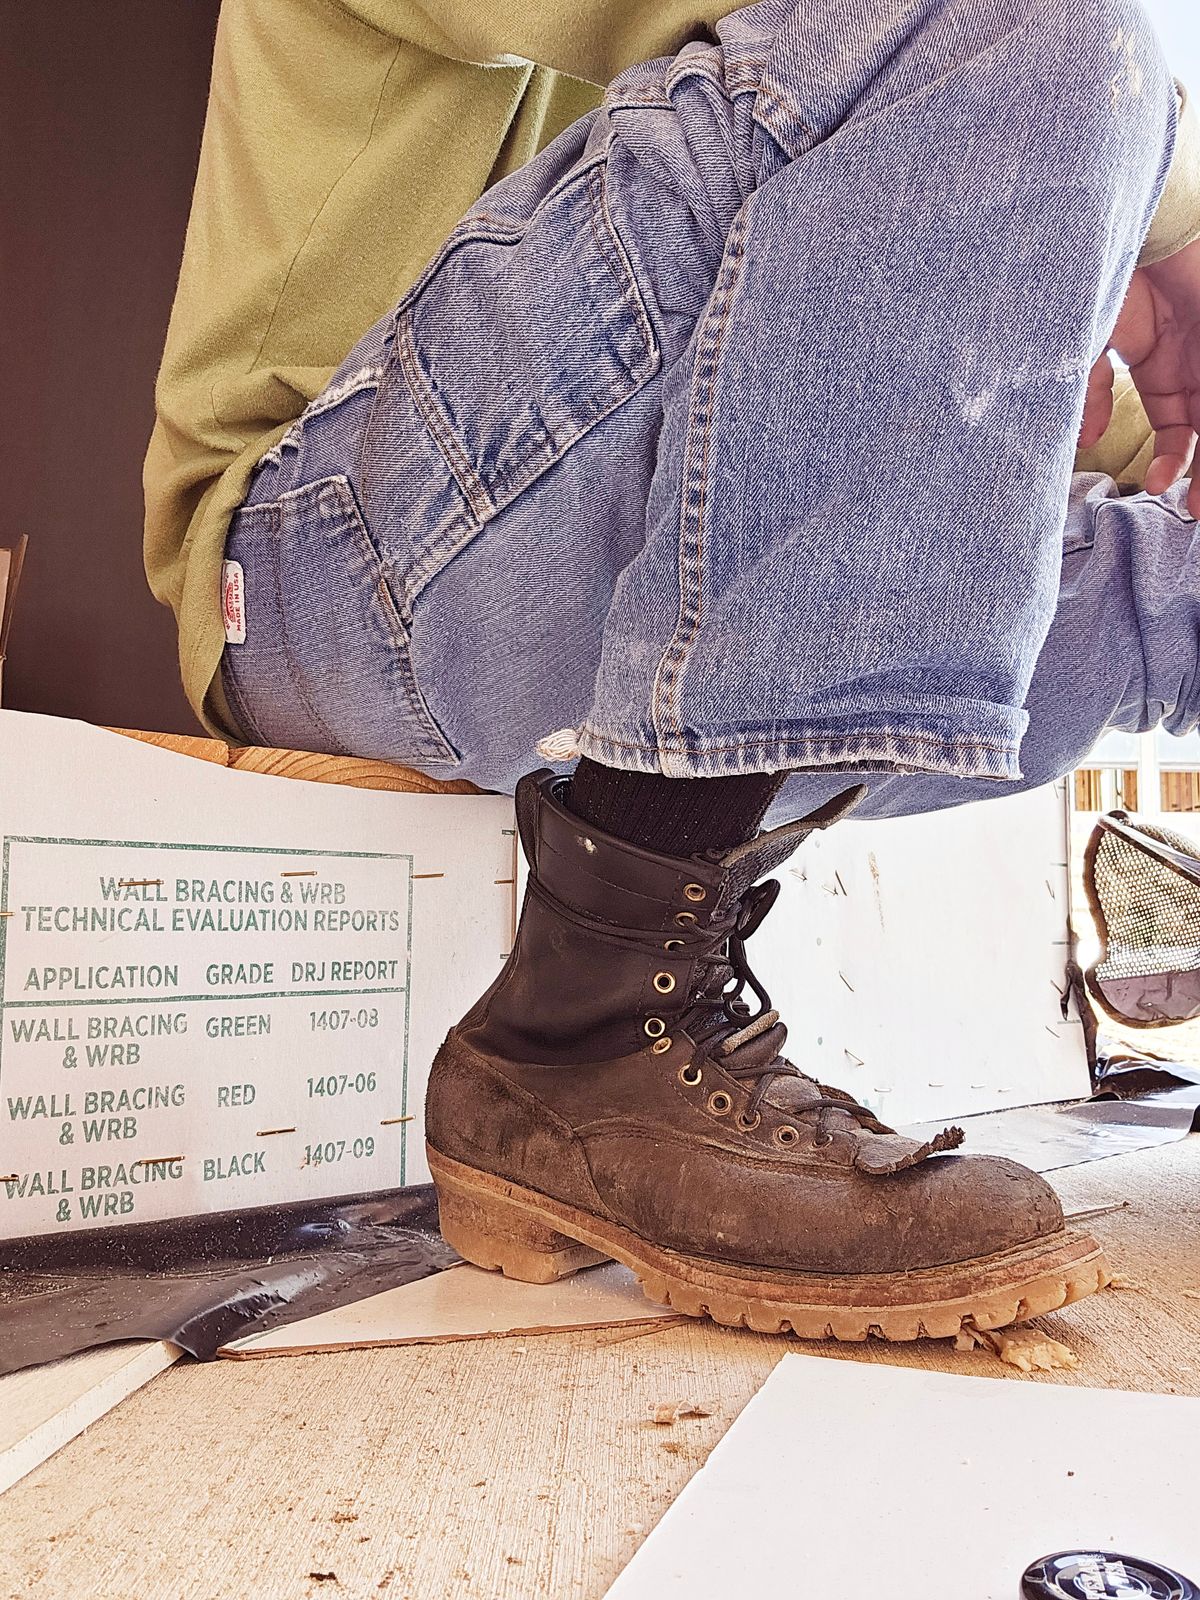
column 435, row 747
column 452, row 452
column 639, row 100
column 387, row 381
column 367, row 377
column 247, row 726
column 293, row 672
column 497, row 230
column 682, row 748
column 600, row 226
column 372, row 561
column 629, row 284
column 456, row 537
column 665, row 710
column 783, row 129
column 893, row 753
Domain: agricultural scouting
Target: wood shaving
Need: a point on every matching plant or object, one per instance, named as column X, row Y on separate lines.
column 1027, row 1349
column 1096, row 1211
column 667, row 1411
column 1120, row 1281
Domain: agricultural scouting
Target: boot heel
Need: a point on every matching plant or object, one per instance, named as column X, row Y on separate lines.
column 501, row 1236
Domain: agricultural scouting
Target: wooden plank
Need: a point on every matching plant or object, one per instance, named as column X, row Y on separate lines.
column 44, row 1407
column 348, row 770
column 183, row 744
column 307, row 765
column 504, row 1469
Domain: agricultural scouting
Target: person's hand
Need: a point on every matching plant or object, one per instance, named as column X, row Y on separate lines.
column 1158, row 337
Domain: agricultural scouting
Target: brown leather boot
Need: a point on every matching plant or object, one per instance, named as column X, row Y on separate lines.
column 611, row 1096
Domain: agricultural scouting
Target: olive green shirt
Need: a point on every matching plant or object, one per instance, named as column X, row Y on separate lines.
column 343, row 141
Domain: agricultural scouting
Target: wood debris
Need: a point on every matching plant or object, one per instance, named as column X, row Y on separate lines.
column 1096, row 1211
column 668, row 1411
column 1027, row 1349
column 1120, row 1281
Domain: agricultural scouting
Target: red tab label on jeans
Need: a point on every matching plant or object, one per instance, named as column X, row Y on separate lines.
column 233, row 601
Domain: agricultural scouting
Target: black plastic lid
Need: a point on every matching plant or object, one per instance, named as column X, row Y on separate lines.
column 1101, row 1574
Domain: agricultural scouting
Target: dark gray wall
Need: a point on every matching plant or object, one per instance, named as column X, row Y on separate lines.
column 101, row 110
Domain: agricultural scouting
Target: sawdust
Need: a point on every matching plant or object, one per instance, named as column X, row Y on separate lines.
column 686, row 1452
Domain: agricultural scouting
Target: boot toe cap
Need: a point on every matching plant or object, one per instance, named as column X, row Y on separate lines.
column 961, row 1207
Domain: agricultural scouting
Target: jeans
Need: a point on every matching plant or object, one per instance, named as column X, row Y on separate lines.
column 736, row 431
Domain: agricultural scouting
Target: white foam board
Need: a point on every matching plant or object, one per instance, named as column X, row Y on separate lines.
column 219, row 989
column 42, row 1408
column 465, row 1303
column 856, row 1480
column 920, row 963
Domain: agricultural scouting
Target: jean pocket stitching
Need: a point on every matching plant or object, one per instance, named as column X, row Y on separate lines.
column 424, row 395
column 439, row 747
column 512, row 475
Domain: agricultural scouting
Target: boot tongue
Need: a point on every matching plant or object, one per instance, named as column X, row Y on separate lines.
column 747, row 863
column 878, row 1149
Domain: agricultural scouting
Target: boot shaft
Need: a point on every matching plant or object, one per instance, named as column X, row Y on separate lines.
column 615, row 942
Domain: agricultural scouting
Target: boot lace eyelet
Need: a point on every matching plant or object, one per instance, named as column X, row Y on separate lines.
column 690, row 1075
column 820, row 1140
column 685, row 918
column 719, row 1103
column 660, row 1046
column 748, row 1124
column 673, row 944
column 786, row 1135
column 664, row 982
column 655, row 1027
column 695, row 892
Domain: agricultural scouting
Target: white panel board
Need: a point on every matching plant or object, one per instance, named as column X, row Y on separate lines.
column 218, row 989
column 919, row 963
column 857, row 1480
column 42, row 1408
column 465, row 1303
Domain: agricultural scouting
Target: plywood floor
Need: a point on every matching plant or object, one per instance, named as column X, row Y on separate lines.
column 507, row 1470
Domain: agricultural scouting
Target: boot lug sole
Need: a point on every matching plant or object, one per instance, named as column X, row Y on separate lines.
column 503, row 1227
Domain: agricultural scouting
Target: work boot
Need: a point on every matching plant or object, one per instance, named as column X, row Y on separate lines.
column 612, row 1096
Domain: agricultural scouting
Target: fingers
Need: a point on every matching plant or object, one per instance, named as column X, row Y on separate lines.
column 1174, row 448
column 1137, row 329
column 1098, row 403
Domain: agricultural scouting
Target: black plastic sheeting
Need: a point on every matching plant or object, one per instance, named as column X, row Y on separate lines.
column 203, row 1281
column 1124, row 1073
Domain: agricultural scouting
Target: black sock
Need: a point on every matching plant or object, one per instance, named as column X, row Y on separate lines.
column 674, row 816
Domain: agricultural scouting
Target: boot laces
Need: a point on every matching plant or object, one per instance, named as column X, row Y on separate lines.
column 723, row 1026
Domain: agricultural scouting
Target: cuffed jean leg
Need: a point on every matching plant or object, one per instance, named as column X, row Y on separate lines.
column 1123, row 652
column 853, row 535
column 735, row 431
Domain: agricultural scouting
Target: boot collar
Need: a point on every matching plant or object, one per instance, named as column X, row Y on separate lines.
column 609, row 878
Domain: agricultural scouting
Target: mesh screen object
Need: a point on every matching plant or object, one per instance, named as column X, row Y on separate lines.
column 1143, row 885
